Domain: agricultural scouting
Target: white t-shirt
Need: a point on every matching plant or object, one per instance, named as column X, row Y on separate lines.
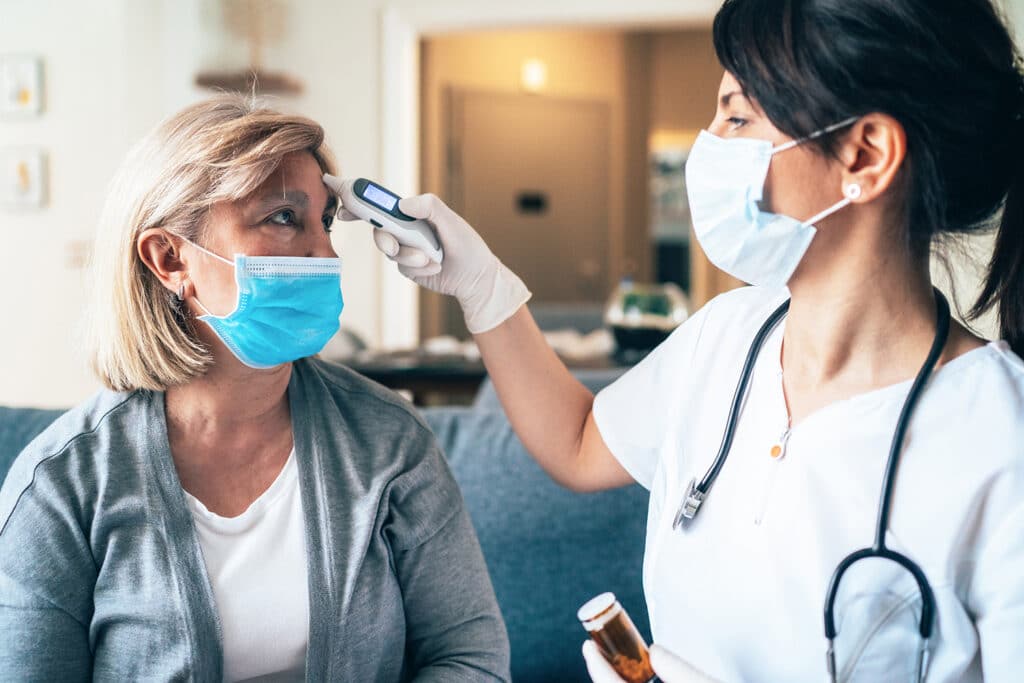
column 257, row 567
column 740, row 593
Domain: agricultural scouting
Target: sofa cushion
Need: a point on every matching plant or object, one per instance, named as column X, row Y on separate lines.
column 548, row 549
column 18, row 426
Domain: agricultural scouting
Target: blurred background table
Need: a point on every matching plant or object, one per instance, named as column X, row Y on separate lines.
column 432, row 379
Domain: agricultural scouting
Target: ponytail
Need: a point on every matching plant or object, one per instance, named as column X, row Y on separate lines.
column 1004, row 284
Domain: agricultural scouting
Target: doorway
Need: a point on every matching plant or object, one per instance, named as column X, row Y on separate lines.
column 530, row 173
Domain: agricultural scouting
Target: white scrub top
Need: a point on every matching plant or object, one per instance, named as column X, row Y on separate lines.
column 740, row 593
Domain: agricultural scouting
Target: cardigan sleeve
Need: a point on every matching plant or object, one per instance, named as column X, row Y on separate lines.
column 46, row 578
column 454, row 628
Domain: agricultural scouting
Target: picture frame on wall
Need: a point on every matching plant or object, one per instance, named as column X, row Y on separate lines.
column 23, row 177
column 21, row 85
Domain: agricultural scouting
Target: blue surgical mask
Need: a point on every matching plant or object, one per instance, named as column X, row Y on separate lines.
column 288, row 308
column 725, row 184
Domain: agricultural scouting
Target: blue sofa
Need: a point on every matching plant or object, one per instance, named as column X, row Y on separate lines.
column 548, row 549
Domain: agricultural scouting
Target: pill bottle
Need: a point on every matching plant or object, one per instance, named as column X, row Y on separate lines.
column 616, row 637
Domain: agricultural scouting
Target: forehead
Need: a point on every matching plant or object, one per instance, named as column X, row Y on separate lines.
column 297, row 171
column 729, row 84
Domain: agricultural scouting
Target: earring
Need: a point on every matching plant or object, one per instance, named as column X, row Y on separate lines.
column 852, row 191
column 181, row 291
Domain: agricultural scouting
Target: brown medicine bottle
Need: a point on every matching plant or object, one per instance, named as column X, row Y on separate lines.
column 617, row 638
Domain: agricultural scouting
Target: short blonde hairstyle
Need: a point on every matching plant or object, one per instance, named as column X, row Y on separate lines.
column 221, row 149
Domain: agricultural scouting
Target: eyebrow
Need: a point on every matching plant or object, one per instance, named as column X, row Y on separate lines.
column 728, row 96
column 298, row 198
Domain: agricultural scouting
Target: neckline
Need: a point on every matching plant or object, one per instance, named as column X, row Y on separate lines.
column 323, row 532
column 257, row 509
column 889, row 392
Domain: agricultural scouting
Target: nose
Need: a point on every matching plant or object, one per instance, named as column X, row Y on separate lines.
column 718, row 127
column 321, row 245
column 325, row 250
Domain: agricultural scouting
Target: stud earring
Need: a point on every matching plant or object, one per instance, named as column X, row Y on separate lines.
column 852, row 191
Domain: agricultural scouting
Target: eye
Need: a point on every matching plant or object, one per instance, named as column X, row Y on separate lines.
column 736, row 122
column 284, row 217
column 328, row 222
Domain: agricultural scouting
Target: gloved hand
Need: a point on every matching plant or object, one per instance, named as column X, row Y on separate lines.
column 668, row 667
column 487, row 290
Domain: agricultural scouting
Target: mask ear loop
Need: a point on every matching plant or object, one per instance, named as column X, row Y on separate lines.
column 210, row 253
column 817, row 134
column 850, row 193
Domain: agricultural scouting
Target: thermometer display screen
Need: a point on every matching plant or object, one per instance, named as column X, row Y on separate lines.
column 384, row 200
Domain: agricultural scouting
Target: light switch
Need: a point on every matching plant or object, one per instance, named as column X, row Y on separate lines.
column 22, row 177
column 21, row 84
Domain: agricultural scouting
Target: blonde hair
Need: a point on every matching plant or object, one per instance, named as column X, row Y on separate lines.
column 221, row 149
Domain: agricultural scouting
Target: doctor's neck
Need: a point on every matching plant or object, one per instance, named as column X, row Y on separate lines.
column 863, row 312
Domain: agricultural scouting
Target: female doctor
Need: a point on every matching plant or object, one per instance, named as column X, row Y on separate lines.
column 850, row 137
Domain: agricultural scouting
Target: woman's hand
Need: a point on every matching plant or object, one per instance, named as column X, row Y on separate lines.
column 668, row 667
column 487, row 290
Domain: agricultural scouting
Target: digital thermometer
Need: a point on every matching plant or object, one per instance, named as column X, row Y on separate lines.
column 379, row 206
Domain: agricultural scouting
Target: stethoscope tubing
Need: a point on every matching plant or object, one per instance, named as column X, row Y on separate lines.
column 878, row 549
column 740, row 395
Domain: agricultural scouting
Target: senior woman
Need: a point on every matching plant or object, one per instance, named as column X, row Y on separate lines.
column 230, row 507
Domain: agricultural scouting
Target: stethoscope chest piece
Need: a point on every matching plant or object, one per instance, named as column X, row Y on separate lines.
column 691, row 503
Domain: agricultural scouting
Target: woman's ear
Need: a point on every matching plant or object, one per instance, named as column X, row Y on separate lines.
column 161, row 254
column 873, row 152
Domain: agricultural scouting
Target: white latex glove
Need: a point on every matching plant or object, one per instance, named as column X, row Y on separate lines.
column 668, row 667
column 487, row 290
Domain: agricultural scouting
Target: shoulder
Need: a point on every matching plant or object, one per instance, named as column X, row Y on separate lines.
column 970, row 425
column 721, row 330
column 984, row 391
column 361, row 394
column 372, row 417
column 985, row 385
column 742, row 309
column 381, row 440
column 67, row 455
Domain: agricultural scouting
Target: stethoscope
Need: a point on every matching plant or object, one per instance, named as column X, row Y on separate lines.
column 697, row 493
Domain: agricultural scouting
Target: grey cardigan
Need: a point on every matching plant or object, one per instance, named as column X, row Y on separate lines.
column 102, row 575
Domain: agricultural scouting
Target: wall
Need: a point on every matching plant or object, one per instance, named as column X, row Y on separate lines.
column 687, row 74
column 98, row 97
